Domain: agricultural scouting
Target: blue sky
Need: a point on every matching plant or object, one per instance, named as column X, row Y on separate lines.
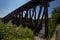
column 7, row 6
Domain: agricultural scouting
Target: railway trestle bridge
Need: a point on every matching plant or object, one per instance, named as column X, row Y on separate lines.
column 27, row 16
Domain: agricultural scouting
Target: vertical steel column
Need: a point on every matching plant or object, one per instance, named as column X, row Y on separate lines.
column 31, row 24
column 46, row 21
column 35, row 24
column 33, row 21
column 22, row 17
column 26, row 17
column 30, row 16
column 23, row 20
column 35, row 15
column 19, row 18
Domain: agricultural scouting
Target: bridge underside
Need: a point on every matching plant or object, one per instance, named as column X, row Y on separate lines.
column 27, row 16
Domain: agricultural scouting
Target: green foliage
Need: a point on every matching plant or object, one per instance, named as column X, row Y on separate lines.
column 54, row 21
column 5, row 30
column 12, row 32
column 23, row 33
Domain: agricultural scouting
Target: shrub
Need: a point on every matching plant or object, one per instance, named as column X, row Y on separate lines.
column 12, row 32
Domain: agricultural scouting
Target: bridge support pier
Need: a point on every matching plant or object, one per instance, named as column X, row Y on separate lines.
column 46, row 21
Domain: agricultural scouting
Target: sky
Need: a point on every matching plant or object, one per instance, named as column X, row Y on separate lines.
column 7, row 6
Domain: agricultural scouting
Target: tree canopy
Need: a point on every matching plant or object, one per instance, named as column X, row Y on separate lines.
column 54, row 20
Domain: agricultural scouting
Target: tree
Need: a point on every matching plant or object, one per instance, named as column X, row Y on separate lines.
column 12, row 32
column 54, row 20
